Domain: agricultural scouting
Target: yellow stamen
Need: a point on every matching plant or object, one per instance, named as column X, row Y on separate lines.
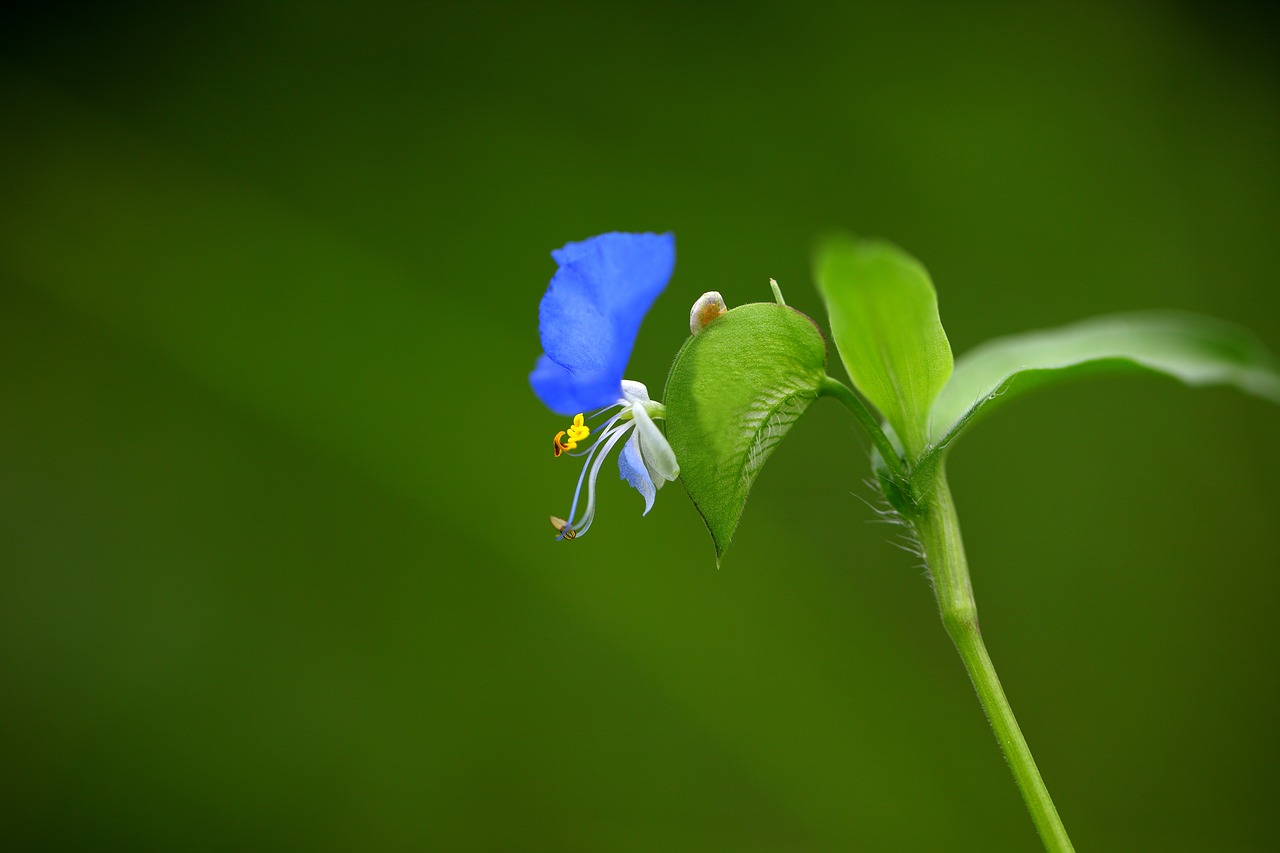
column 577, row 432
column 558, row 446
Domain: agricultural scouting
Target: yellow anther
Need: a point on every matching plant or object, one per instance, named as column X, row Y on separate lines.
column 578, row 430
column 559, row 446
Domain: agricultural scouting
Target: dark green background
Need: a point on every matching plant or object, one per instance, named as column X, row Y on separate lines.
column 275, row 567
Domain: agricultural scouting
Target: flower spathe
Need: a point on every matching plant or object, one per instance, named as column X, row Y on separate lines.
column 588, row 321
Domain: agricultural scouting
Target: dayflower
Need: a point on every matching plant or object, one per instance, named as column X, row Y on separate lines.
column 588, row 320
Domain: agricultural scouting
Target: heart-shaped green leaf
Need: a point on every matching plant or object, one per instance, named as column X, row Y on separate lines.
column 884, row 319
column 1196, row 350
column 734, row 391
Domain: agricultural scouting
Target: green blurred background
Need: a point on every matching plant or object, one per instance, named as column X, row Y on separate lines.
column 275, row 567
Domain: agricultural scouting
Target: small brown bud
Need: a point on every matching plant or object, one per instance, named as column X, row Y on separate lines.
column 709, row 306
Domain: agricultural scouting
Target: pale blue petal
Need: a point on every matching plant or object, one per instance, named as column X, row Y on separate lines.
column 633, row 470
column 655, row 450
column 591, row 313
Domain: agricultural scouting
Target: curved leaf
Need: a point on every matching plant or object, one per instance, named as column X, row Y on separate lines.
column 733, row 392
column 884, row 319
column 1197, row 350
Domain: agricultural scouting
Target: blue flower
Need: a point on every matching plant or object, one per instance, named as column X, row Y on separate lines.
column 588, row 320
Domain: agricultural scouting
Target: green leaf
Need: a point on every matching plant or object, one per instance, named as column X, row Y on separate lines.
column 733, row 392
column 1196, row 350
column 884, row 319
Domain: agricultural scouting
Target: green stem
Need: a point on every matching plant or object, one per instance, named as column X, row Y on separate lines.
column 939, row 530
column 835, row 388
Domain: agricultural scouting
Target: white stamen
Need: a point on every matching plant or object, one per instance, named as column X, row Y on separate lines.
column 589, row 514
column 596, row 444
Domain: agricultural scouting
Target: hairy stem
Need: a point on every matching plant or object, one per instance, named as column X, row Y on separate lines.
column 938, row 528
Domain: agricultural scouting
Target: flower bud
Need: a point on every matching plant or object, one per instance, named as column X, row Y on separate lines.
column 709, row 306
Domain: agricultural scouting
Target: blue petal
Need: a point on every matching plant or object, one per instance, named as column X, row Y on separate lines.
column 634, row 472
column 557, row 390
column 589, row 316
